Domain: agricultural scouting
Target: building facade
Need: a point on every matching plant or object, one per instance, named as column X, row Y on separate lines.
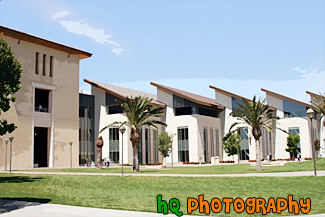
column 195, row 123
column 294, row 121
column 107, row 111
column 46, row 107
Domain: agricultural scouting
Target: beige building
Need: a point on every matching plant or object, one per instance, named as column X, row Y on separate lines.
column 47, row 105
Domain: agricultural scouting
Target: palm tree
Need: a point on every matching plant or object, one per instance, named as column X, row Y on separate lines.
column 318, row 104
column 139, row 112
column 257, row 115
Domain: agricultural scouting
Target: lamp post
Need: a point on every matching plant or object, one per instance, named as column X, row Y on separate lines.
column 11, row 138
column 237, row 140
column 122, row 130
column 6, row 141
column 310, row 114
column 172, row 155
column 70, row 153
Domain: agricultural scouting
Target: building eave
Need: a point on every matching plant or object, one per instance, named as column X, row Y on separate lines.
column 21, row 36
column 200, row 102
column 162, row 105
column 285, row 97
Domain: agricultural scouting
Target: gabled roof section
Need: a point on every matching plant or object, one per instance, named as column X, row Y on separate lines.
column 228, row 93
column 122, row 92
column 285, row 97
column 21, row 36
column 201, row 100
column 312, row 94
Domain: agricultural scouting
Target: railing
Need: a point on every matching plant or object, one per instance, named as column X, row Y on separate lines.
column 38, row 109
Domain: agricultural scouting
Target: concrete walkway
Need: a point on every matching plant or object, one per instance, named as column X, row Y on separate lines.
column 282, row 174
column 12, row 208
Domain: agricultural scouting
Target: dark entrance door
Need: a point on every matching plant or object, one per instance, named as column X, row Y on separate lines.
column 40, row 146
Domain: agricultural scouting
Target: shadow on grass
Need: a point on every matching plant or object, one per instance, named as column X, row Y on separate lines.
column 18, row 179
column 8, row 204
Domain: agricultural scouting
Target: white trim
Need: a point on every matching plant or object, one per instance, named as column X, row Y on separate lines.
column 43, row 86
column 33, row 124
column 51, row 160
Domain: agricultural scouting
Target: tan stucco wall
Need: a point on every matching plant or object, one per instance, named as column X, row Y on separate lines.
column 66, row 104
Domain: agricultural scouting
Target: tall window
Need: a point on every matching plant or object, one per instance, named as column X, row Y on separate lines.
column 205, row 144
column 114, row 151
column 44, row 64
column 234, row 102
column 212, row 151
column 147, row 146
column 86, row 126
column 183, row 149
column 244, row 144
column 217, row 142
column 36, row 62
column 155, row 135
column 140, row 147
column 295, row 131
column 51, row 66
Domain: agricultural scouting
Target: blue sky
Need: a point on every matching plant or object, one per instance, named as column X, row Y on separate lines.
column 239, row 46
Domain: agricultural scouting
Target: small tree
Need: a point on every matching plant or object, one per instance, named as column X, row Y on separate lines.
column 10, row 73
column 231, row 143
column 164, row 144
column 292, row 143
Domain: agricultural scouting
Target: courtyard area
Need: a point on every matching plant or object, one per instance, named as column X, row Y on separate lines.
column 138, row 193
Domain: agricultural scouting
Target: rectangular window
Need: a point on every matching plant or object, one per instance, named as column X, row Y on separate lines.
column 36, row 62
column 44, row 64
column 147, row 146
column 51, row 66
column 140, row 147
column 86, row 126
column 114, row 151
column 217, row 142
column 205, row 143
column 295, row 131
column 244, row 144
column 155, row 135
column 212, row 151
column 292, row 109
column 41, row 101
column 183, row 149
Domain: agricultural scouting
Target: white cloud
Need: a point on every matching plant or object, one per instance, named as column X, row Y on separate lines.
column 83, row 28
column 60, row 14
column 118, row 51
column 296, row 68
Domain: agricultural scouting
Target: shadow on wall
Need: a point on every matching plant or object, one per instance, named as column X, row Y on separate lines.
column 10, row 204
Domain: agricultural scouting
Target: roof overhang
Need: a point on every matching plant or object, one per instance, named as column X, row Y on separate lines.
column 197, row 101
column 115, row 93
column 285, row 97
column 21, row 36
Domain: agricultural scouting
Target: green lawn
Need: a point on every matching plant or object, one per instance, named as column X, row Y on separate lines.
column 223, row 169
column 139, row 193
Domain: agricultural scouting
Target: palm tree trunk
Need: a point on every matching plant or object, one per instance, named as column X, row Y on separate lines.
column 135, row 157
column 258, row 155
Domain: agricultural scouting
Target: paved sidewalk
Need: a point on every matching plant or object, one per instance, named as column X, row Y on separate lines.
column 282, row 174
column 12, row 208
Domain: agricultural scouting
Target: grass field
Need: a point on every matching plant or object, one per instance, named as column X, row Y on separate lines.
column 222, row 169
column 139, row 193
